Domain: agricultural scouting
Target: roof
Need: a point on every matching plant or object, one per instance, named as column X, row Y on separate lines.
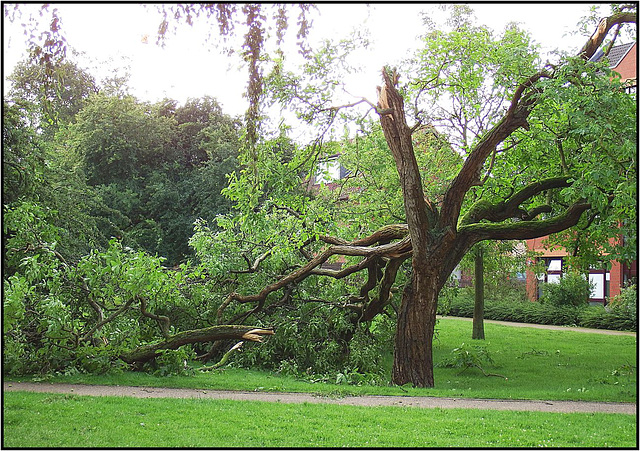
column 616, row 54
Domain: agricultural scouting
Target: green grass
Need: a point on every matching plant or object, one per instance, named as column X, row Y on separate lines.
column 41, row 420
column 538, row 364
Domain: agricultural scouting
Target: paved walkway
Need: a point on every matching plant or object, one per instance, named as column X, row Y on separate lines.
column 288, row 398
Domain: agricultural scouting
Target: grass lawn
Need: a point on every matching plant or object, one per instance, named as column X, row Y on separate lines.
column 538, row 364
column 41, row 420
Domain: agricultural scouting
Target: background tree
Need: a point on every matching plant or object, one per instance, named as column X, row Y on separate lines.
column 56, row 103
column 495, row 266
column 478, row 289
column 157, row 167
column 22, row 156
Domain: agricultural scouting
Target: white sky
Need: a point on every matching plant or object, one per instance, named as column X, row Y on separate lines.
column 112, row 34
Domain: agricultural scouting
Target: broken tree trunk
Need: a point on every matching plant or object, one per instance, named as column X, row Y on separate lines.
column 146, row 353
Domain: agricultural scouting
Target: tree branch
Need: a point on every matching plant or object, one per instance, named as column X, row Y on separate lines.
column 516, row 117
column 594, row 42
column 163, row 321
column 145, row 353
column 390, row 250
column 511, row 207
column 523, row 230
column 252, row 267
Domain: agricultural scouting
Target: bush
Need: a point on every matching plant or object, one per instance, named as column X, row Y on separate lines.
column 616, row 318
column 572, row 289
column 627, row 300
column 521, row 312
column 598, row 317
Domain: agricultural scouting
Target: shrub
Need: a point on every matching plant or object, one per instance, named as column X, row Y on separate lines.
column 572, row 289
column 522, row 312
column 627, row 300
column 537, row 313
column 615, row 319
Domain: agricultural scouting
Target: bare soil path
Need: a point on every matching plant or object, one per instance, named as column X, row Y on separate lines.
column 288, row 398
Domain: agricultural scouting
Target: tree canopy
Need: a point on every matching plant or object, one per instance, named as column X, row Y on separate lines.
column 472, row 140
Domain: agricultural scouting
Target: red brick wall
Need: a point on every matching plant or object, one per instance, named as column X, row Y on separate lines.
column 627, row 67
column 616, row 279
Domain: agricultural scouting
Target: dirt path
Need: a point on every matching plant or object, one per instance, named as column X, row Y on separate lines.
column 288, row 398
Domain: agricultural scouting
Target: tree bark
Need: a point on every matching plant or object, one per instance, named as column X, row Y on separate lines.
column 412, row 361
column 413, row 357
column 478, row 307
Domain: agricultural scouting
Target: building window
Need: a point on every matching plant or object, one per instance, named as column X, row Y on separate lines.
column 552, row 274
column 329, row 171
column 553, row 271
column 600, row 280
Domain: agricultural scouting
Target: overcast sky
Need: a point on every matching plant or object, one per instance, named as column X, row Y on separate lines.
column 113, row 35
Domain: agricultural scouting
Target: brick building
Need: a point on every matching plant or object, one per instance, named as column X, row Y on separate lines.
column 609, row 278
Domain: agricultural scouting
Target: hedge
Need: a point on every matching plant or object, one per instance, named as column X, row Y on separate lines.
column 537, row 313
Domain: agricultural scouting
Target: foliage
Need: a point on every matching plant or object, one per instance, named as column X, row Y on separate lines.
column 158, row 168
column 465, row 357
column 600, row 317
column 62, row 316
column 503, row 262
column 463, row 73
column 172, row 362
column 582, row 122
column 56, row 101
column 22, row 155
column 573, row 289
column 538, row 313
column 34, row 172
column 627, row 300
column 373, row 186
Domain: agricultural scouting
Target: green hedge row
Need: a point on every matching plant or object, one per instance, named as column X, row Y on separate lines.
column 615, row 319
column 537, row 313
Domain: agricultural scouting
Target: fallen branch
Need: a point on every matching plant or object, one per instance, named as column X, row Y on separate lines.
column 483, row 372
column 224, row 358
column 146, row 353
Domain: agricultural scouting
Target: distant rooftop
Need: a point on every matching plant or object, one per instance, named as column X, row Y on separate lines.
column 616, row 54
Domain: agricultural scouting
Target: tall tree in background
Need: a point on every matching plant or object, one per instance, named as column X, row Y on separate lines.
column 157, row 167
column 55, row 103
column 478, row 288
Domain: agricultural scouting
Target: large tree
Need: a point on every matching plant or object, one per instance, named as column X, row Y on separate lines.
column 55, row 104
column 441, row 237
column 559, row 142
